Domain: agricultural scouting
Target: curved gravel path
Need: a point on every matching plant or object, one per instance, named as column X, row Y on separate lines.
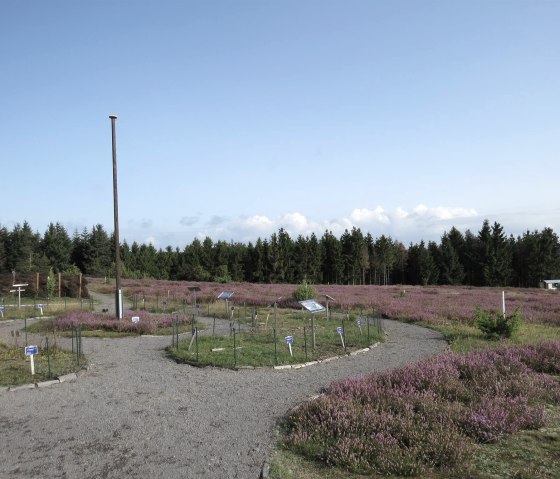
column 137, row 414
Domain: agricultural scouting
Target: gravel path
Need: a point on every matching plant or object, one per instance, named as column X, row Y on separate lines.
column 137, row 414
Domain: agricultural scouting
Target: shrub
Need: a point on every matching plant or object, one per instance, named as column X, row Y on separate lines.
column 304, row 291
column 496, row 325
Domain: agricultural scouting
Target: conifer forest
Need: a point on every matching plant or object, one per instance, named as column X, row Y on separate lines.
column 488, row 257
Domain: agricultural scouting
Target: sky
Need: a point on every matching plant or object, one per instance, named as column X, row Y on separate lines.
column 237, row 118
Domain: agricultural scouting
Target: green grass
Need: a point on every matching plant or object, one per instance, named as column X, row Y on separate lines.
column 15, row 368
column 527, row 455
column 464, row 338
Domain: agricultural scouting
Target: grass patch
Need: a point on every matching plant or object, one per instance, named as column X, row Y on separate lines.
column 15, row 368
column 464, row 338
column 258, row 348
column 525, row 455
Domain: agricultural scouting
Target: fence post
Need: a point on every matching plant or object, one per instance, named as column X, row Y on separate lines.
column 344, row 335
column 275, row 349
column 234, row 351
column 305, row 343
column 48, row 356
column 195, row 342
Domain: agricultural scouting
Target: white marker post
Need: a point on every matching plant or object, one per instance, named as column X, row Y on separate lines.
column 360, row 326
column 339, row 329
column 41, row 306
column 31, row 351
column 289, row 342
column 504, row 303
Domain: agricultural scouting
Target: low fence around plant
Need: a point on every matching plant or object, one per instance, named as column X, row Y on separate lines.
column 236, row 344
column 36, row 307
column 49, row 360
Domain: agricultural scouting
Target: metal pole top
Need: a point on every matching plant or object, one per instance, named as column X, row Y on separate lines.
column 113, row 117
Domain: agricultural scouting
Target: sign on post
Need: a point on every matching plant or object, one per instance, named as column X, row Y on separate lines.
column 341, row 333
column 360, row 325
column 313, row 307
column 289, row 342
column 31, row 351
column 135, row 319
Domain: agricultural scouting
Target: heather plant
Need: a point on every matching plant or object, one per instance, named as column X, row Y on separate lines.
column 147, row 324
column 428, row 415
column 496, row 325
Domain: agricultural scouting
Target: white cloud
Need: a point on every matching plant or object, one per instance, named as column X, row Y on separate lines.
column 444, row 212
column 294, row 220
column 365, row 216
column 150, row 240
column 257, row 223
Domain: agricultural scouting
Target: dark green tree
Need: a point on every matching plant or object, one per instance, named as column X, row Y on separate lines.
column 331, row 254
column 56, row 246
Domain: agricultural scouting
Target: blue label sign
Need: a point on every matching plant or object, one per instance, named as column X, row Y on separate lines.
column 359, row 323
column 31, row 350
column 289, row 340
column 339, row 329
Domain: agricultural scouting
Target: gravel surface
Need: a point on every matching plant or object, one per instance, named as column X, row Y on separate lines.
column 137, row 414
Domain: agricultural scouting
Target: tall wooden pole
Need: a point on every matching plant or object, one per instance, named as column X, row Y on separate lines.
column 118, row 293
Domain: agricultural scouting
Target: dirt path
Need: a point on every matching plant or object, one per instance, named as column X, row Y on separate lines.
column 137, row 414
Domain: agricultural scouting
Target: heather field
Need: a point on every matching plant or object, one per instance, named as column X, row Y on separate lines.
column 433, row 305
column 430, row 416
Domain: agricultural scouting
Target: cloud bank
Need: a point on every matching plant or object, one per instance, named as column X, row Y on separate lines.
column 422, row 222
column 408, row 226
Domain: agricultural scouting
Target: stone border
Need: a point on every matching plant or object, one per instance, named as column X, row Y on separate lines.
column 283, row 366
column 51, row 382
column 326, row 360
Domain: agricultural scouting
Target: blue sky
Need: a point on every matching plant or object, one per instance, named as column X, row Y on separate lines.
column 236, row 118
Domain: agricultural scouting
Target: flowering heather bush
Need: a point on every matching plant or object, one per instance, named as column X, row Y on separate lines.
column 427, row 415
column 148, row 323
column 432, row 304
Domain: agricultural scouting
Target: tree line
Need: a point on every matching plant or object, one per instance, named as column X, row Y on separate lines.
column 487, row 258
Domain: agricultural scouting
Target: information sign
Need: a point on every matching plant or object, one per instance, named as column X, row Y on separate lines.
column 340, row 332
column 312, row 306
column 225, row 295
column 289, row 342
column 135, row 319
column 31, row 350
